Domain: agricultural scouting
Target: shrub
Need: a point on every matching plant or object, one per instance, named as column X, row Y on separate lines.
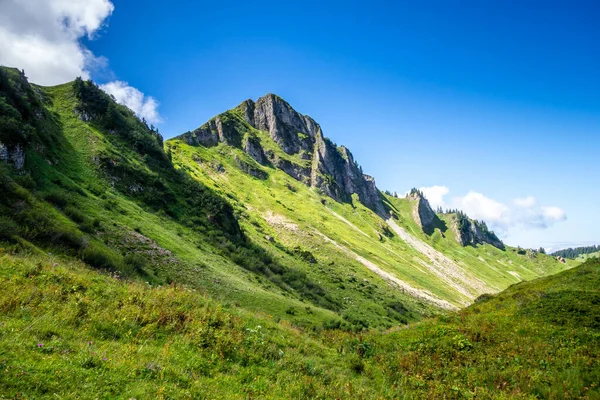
column 57, row 198
column 135, row 262
column 8, row 228
column 75, row 215
column 26, row 181
column 98, row 257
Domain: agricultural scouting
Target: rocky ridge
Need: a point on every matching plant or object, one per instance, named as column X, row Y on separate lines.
column 320, row 163
column 473, row 232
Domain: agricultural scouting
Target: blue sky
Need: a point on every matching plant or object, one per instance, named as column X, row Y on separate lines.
column 489, row 101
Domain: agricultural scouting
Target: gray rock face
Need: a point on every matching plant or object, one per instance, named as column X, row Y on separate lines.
column 274, row 115
column 472, row 233
column 423, row 214
column 337, row 174
column 217, row 130
column 333, row 169
column 14, row 155
column 253, row 148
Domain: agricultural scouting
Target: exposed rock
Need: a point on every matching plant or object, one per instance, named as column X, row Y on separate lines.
column 337, row 174
column 276, row 116
column 333, row 169
column 470, row 232
column 294, row 170
column 423, row 214
column 219, row 129
column 253, row 148
column 14, row 155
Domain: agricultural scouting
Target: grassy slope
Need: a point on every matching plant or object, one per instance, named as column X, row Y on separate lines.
column 583, row 257
column 175, row 252
column 350, row 225
column 67, row 331
column 498, row 268
column 197, row 263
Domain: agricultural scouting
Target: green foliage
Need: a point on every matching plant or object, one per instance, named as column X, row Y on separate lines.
column 97, row 106
column 83, row 334
column 577, row 251
column 100, row 258
column 18, row 107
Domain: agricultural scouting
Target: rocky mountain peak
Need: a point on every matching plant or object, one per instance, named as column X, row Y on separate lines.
column 291, row 130
column 333, row 169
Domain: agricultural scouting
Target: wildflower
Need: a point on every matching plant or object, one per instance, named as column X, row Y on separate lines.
column 40, row 345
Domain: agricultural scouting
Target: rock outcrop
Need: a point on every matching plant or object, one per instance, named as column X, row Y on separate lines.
column 14, row 155
column 333, row 170
column 423, row 214
column 472, row 232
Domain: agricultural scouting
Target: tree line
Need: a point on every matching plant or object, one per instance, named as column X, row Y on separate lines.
column 577, row 251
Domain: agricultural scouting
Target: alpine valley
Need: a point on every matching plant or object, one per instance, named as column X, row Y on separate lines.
column 253, row 258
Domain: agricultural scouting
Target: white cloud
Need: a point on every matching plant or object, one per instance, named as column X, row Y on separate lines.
column 524, row 214
column 526, row 202
column 435, row 195
column 143, row 106
column 43, row 37
column 554, row 213
column 478, row 206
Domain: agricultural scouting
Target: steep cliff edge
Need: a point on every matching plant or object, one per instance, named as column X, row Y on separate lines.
column 306, row 154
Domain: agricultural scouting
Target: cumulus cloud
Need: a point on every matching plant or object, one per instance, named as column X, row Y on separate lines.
column 528, row 201
column 435, row 195
column 501, row 217
column 43, row 37
column 478, row 206
column 143, row 106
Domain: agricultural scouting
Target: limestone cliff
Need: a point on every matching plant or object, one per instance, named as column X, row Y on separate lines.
column 331, row 169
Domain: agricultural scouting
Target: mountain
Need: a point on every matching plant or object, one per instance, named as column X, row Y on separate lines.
column 257, row 208
column 265, row 156
column 252, row 257
column 297, row 147
column 577, row 252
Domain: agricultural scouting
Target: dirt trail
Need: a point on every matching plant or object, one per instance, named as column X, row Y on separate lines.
column 421, row 294
column 446, row 269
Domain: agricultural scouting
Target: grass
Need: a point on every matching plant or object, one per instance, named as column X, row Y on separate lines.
column 256, row 201
column 67, row 331
column 112, row 198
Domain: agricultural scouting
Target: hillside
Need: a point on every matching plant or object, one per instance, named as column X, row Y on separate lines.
column 445, row 260
column 256, row 208
column 578, row 252
column 70, row 332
